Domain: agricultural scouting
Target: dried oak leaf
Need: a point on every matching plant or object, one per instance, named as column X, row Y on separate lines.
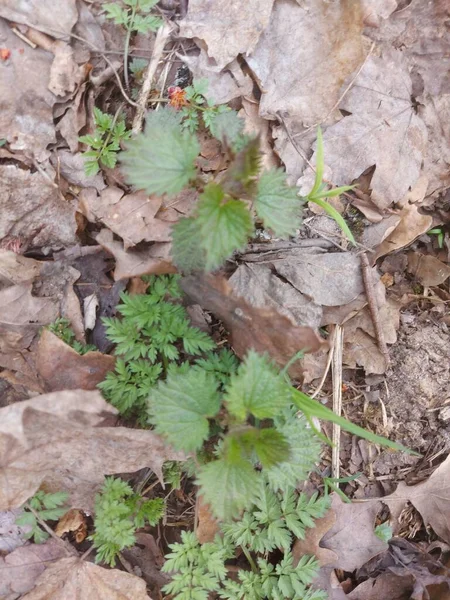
column 303, row 58
column 382, row 130
column 132, row 216
column 262, row 329
column 431, row 498
column 311, row 542
column 154, row 260
column 353, row 550
column 62, row 368
column 56, row 439
column 23, row 566
column 227, row 27
column 74, row 578
column 33, row 210
column 427, row 269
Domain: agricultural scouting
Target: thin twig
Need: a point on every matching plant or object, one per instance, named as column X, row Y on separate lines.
column 336, row 369
column 161, row 39
column 23, row 37
column 373, row 307
column 327, row 368
column 67, row 547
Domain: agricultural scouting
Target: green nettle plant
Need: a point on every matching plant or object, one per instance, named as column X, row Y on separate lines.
column 155, row 337
column 109, row 132
column 162, row 161
column 48, row 507
column 266, row 530
column 63, row 329
column 119, row 512
column 195, row 109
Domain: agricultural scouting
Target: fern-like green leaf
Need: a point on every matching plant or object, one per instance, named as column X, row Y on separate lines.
column 277, row 204
column 161, row 160
column 225, row 225
column 179, row 408
column 257, row 389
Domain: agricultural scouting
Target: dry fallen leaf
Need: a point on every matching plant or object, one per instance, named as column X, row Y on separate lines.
column 227, row 27
column 302, row 59
column 74, row 521
column 431, row 498
column 352, row 537
column 146, row 555
column 44, row 15
column 15, row 268
column 412, row 224
column 20, row 569
column 385, row 586
column 74, row 578
column 56, row 439
column 62, row 368
column 263, row 329
column 155, row 260
column 131, row 216
column 311, row 542
column 207, row 526
column 427, row 269
column 255, row 125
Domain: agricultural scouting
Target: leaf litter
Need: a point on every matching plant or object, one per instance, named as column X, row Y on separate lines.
column 383, row 111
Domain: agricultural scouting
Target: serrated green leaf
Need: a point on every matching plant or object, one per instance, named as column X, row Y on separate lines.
column 91, row 168
column 55, row 500
column 179, row 408
column 257, row 389
column 161, row 160
column 277, row 204
column 227, row 127
column 114, row 11
column 187, row 253
column 225, row 225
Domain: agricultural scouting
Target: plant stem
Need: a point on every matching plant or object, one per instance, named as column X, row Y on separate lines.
column 127, row 47
column 251, row 562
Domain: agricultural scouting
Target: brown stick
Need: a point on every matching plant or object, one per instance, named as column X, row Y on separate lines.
column 373, row 307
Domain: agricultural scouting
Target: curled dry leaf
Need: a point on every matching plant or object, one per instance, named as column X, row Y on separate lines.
column 427, row 269
column 310, row 35
column 207, row 526
column 75, row 578
column 412, row 224
column 57, row 439
column 155, row 260
column 262, row 329
column 62, row 368
column 227, row 28
column 132, row 216
column 74, row 521
column 20, row 569
column 15, row 268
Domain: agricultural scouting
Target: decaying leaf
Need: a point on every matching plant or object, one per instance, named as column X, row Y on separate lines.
column 412, row 224
column 386, row 585
column 75, row 578
column 62, row 368
column 427, row 269
column 132, row 216
column 44, row 15
column 255, row 125
column 20, row 569
column 352, row 537
column 227, row 28
column 382, row 130
column 263, row 329
column 302, row 58
column 208, row 526
column 431, row 498
column 15, row 268
column 311, row 543
column 33, row 210
column 74, row 521
column 133, row 263
column 57, row 439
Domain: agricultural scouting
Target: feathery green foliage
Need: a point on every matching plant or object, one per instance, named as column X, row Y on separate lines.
column 196, row 109
column 105, row 142
column 119, row 512
column 63, row 329
column 133, row 15
column 48, row 507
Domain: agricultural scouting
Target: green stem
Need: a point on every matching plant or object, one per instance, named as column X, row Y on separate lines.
column 251, row 562
column 127, row 47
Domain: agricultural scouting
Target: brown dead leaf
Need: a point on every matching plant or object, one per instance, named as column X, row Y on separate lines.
column 75, row 578
column 62, row 368
column 65, row 73
column 385, row 586
column 20, row 569
column 311, row 543
column 74, row 521
column 431, row 498
column 382, row 129
column 374, row 235
column 146, row 555
column 33, row 210
column 44, row 15
column 15, row 268
column 71, row 167
column 57, row 439
column 155, row 260
column 131, row 216
column 412, row 224
column 427, row 269
column 352, row 537
column 255, row 125
column 207, row 526
column 263, row 329
column 309, row 35
column 227, row 28
column 73, row 119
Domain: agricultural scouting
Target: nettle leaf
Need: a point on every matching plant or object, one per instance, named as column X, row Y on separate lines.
column 225, row 225
column 227, row 127
column 161, row 160
column 180, row 407
column 277, row 204
column 258, row 389
column 187, row 253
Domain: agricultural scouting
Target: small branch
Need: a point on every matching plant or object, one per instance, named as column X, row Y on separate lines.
column 336, row 369
column 67, row 547
column 161, row 39
column 373, row 307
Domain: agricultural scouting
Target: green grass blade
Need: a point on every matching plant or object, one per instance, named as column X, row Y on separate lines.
column 312, row 408
column 319, row 163
column 334, row 215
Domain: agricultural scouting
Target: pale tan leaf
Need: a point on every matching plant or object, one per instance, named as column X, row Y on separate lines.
column 207, row 526
column 311, row 542
column 73, row 521
column 227, row 27
column 65, row 73
column 62, row 368
column 361, row 349
column 71, row 578
column 427, row 269
column 256, row 125
column 15, row 268
column 57, row 19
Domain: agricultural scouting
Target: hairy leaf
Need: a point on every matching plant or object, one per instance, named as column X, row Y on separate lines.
column 227, row 126
column 277, row 204
column 187, row 253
